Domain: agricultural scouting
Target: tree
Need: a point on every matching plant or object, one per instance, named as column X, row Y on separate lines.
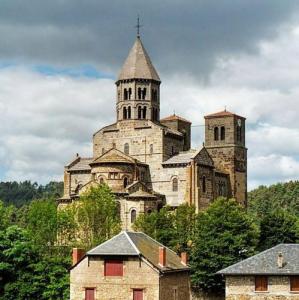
column 98, row 217
column 224, row 235
column 277, row 227
column 172, row 228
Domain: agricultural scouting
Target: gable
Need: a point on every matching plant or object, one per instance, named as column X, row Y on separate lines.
column 204, row 158
column 114, row 156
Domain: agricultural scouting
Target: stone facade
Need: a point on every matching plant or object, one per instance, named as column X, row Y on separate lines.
column 243, row 288
column 148, row 162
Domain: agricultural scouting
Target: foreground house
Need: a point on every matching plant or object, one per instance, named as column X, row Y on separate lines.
column 271, row 274
column 131, row 265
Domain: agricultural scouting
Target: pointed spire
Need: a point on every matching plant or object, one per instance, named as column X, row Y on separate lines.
column 138, row 64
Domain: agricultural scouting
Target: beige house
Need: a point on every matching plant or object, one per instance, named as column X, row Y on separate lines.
column 270, row 275
column 148, row 162
column 131, row 265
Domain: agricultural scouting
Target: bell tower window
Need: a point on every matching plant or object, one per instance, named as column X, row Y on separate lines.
column 129, row 93
column 216, row 133
column 139, row 93
column 144, row 113
column 222, row 133
column 139, row 112
column 125, row 94
column 125, row 113
column 143, row 93
column 129, row 112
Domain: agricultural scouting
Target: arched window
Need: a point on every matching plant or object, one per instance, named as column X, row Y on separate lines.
column 101, row 180
column 127, row 149
column 125, row 94
column 129, row 112
column 151, row 148
column 129, row 93
column 144, row 113
column 154, row 95
column 175, row 184
column 149, row 211
column 126, row 182
column 222, row 133
column 143, row 93
column 139, row 93
column 204, row 185
column 139, row 112
column 124, row 113
column 216, row 134
column 133, row 215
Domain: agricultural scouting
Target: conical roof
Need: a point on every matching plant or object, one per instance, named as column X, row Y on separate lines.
column 138, row 65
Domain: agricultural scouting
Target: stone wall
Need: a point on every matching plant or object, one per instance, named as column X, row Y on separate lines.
column 243, row 287
column 137, row 275
column 175, row 286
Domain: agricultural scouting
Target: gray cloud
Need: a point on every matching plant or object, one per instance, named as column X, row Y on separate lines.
column 181, row 36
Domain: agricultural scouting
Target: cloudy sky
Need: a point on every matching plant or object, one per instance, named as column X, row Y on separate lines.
column 59, row 60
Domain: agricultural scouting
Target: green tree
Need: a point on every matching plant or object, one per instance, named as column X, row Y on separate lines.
column 277, row 227
column 7, row 215
column 224, row 235
column 97, row 216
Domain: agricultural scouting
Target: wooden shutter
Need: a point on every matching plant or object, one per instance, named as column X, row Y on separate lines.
column 294, row 283
column 113, row 268
column 137, row 294
column 89, row 294
column 261, row 283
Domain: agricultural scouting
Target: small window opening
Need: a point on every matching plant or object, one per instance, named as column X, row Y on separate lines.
column 139, row 93
column 126, row 182
column 125, row 94
column 175, row 184
column 125, row 113
column 151, row 148
column 129, row 112
column 144, row 113
column 222, row 133
column 216, row 134
column 204, row 187
column 133, row 215
column 239, row 134
column 127, row 149
column 261, row 283
column 143, row 93
column 129, row 93
column 139, row 112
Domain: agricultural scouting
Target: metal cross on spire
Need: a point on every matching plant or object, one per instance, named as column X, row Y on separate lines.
column 138, row 26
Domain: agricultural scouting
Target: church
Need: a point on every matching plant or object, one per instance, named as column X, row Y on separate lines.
column 148, row 162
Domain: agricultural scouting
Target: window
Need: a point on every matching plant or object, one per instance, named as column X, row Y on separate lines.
column 154, row 95
column 129, row 93
column 126, row 148
column 204, row 186
column 175, row 184
column 129, row 112
column 175, row 294
column 143, row 93
column 126, row 182
column 294, row 283
column 222, row 133
column 151, row 148
column 139, row 112
column 239, row 134
column 89, row 294
column 124, row 113
column 113, row 175
column 149, row 211
column 137, row 294
column 113, row 268
column 261, row 283
column 139, row 93
column 144, row 113
column 125, row 94
column 133, row 215
column 101, row 180
column 216, row 134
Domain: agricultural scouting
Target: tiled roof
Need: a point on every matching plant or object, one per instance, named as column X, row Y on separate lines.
column 81, row 165
column 223, row 113
column 138, row 244
column 181, row 158
column 138, row 64
column 266, row 262
column 174, row 117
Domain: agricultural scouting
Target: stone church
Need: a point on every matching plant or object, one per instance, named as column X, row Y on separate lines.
column 148, row 162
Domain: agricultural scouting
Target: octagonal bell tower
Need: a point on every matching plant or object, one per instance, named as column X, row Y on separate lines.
column 138, row 87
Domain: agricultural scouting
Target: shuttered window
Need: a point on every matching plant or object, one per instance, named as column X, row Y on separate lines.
column 261, row 283
column 137, row 294
column 294, row 283
column 113, row 268
column 89, row 294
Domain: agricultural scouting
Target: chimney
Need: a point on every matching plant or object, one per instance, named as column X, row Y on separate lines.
column 184, row 258
column 280, row 262
column 77, row 255
column 162, row 256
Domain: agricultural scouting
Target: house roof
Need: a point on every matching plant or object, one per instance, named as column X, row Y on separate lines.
column 174, row 117
column 82, row 164
column 138, row 64
column 183, row 157
column 138, row 244
column 141, row 194
column 221, row 114
column 265, row 263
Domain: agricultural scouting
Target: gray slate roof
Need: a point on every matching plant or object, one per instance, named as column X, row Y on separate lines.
column 82, row 165
column 138, row 244
column 138, row 64
column 265, row 263
column 183, row 157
